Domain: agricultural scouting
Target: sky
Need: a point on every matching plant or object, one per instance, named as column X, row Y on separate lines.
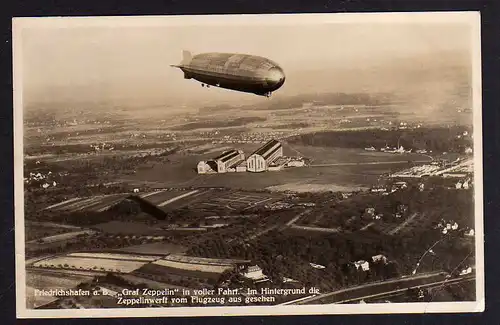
column 131, row 64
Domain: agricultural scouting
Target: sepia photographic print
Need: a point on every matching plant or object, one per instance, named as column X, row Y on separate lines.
column 248, row 165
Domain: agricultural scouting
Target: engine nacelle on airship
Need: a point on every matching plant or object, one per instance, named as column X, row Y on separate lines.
column 241, row 72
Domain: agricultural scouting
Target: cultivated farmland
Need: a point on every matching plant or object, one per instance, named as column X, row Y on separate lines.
column 204, row 268
column 62, row 237
column 96, row 203
column 89, row 263
column 239, row 200
column 126, row 257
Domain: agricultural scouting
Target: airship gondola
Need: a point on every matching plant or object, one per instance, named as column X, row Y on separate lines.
column 240, row 72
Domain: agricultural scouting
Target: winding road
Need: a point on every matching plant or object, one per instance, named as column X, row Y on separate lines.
column 384, row 288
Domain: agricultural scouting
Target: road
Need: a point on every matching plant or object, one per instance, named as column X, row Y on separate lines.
column 403, row 224
column 393, row 295
column 297, row 217
column 52, row 224
column 278, row 226
column 376, row 289
column 318, row 229
column 177, row 198
column 369, row 163
column 445, row 282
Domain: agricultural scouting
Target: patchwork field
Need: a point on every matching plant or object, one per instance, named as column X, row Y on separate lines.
column 191, row 267
column 96, row 203
column 164, row 197
column 125, row 257
column 88, row 262
column 162, row 248
column 61, row 237
column 236, row 200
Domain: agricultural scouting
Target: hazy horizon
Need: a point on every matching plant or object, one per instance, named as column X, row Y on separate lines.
column 131, row 65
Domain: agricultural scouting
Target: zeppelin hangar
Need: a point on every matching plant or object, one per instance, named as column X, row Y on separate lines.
column 260, row 160
column 269, row 157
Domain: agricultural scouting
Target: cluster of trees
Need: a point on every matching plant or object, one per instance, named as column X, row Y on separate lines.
column 279, row 255
column 240, row 121
column 34, row 232
column 329, row 99
column 436, row 204
column 431, row 139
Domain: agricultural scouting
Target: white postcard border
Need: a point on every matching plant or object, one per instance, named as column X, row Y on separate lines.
column 19, row 24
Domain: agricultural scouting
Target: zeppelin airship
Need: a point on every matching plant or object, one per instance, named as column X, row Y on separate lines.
column 240, row 72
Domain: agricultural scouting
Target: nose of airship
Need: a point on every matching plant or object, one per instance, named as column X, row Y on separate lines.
column 275, row 77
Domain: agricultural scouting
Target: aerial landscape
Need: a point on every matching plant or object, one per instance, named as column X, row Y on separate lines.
column 360, row 190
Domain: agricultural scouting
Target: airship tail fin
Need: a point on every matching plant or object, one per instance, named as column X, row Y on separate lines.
column 186, row 57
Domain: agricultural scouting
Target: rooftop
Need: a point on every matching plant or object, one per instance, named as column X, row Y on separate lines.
column 225, row 154
column 266, row 147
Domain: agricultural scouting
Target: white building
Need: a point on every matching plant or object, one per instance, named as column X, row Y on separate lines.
column 296, row 163
column 370, row 211
column 466, row 271
column 364, row 265
column 469, row 233
column 226, row 162
column 260, row 160
column 242, row 167
column 255, row 274
column 317, row 266
column 228, row 159
column 465, row 185
column 203, row 167
column 379, row 257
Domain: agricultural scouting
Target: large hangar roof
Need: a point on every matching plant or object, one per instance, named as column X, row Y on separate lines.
column 225, row 156
column 267, row 149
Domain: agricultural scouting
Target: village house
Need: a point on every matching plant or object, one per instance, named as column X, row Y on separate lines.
column 364, row 265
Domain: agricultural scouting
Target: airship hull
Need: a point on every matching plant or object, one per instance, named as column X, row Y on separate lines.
column 240, row 72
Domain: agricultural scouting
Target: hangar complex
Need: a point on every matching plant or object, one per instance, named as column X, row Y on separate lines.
column 266, row 158
column 260, row 160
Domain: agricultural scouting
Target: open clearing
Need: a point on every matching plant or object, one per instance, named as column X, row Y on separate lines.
column 330, row 166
